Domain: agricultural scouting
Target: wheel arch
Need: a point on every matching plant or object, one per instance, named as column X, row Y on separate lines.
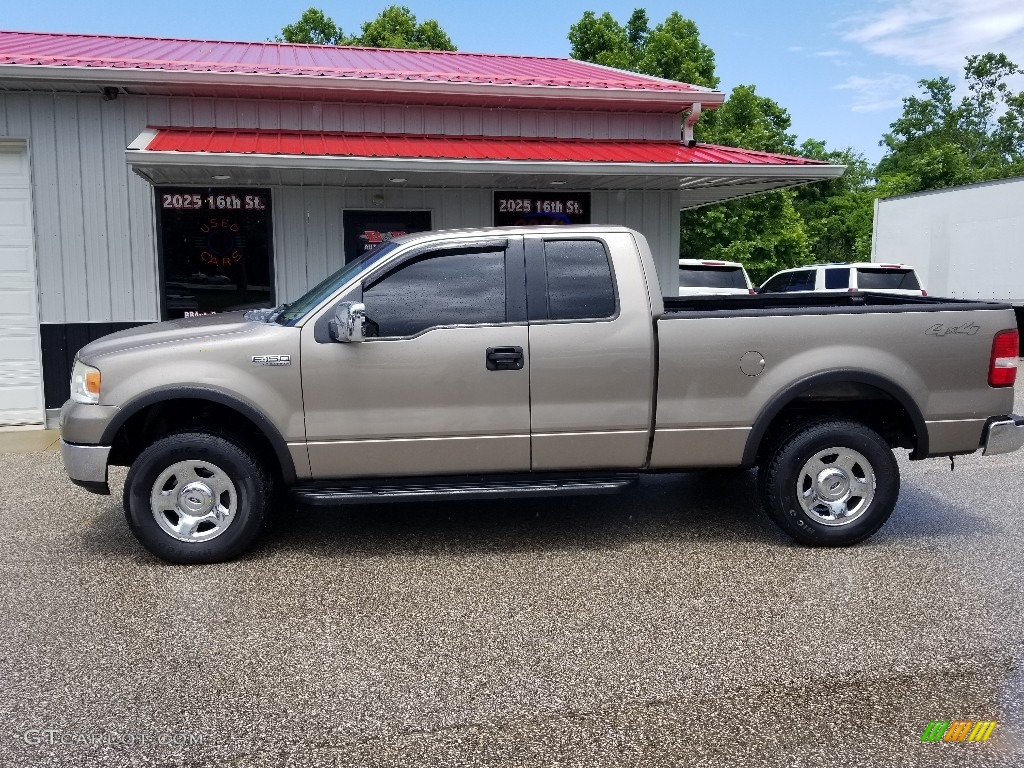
column 252, row 420
column 804, row 391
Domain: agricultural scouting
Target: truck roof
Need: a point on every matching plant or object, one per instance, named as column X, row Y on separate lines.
column 515, row 230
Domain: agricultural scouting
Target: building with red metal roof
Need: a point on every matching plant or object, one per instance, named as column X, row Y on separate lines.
column 151, row 178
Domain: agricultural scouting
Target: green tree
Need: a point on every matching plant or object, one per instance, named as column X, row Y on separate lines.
column 944, row 138
column 395, row 27
column 766, row 232
column 838, row 213
column 313, row 27
column 672, row 50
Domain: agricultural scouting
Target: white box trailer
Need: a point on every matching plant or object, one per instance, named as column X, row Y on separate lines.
column 965, row 242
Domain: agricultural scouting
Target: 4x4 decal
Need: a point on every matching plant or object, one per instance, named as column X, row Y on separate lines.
column 967, row 329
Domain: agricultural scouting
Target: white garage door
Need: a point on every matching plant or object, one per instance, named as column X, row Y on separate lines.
column 21, row 372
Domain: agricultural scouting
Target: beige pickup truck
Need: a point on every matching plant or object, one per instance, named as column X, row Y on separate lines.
column 531, row 361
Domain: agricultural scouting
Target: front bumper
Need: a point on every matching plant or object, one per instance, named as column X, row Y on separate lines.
column 1003, row 435
column 86, row 465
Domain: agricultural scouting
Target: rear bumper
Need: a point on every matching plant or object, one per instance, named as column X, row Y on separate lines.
column 1003, row 435
column 86, row 465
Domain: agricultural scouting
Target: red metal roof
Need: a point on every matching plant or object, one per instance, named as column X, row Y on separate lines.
column 215, row 56
column 316, row 143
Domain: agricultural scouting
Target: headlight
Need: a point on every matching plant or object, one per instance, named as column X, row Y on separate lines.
column 85, row 383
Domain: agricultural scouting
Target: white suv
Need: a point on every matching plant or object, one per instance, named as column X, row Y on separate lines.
column 848, row 278
column 705, row 278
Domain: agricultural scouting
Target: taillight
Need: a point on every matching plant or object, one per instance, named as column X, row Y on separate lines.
column 924, row 292
column 1002, row 368
column 751, row 291
column 851, row 290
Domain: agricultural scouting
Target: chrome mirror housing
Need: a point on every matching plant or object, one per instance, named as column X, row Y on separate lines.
column 349, row 323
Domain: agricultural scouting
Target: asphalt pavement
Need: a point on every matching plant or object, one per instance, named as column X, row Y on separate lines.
column 672, row 625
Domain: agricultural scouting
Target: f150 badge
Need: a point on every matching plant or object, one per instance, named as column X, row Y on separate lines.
column 967, row 329
column 271, row 359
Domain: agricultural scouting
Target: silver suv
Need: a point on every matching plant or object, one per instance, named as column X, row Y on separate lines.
column 849, row 278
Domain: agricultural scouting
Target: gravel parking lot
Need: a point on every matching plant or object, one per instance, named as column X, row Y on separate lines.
column 673, row 625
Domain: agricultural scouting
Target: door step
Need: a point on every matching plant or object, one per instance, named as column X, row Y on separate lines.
column 337, row 492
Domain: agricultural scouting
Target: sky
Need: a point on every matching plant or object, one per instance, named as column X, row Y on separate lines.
column 841, row 67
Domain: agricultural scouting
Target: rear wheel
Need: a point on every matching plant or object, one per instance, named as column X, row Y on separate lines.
column 196, row 498
column 830, row 483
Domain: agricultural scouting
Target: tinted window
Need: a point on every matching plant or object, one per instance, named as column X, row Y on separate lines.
column 579, row 280
column 837, row 278
column 776, row 285
column 802, row 280
column 711, row 277
column 450, row 288
column 892, row 279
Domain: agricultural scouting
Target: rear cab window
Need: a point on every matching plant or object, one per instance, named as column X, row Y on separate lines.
column 579, row 281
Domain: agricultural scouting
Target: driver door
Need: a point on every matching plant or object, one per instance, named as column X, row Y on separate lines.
column 443, row 387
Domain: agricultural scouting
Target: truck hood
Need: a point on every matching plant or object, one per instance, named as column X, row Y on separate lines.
column 169, row 331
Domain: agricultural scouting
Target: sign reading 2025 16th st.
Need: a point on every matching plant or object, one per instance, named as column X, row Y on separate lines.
column 518, row 208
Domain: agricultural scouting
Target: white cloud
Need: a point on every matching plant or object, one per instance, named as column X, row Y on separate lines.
column 830, row 54
column 874, row 94
column 940, row 33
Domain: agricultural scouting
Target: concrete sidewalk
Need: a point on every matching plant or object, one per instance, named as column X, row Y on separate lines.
column 14, row 440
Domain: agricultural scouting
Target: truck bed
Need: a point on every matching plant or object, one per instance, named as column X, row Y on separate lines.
column 724, row 361
column 809, row 303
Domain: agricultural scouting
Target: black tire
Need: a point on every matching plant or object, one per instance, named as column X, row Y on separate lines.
column 803, row 456
column 248, row 495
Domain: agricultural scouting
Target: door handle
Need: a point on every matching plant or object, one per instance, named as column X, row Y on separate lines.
column 504, row 358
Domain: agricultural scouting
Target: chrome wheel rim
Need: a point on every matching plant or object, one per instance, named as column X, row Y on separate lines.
column 836, row 486
column 193, row 501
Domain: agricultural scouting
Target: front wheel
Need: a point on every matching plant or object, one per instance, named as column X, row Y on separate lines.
column 830, row 483
column 196, row 498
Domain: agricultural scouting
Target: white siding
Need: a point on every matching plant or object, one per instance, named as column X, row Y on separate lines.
column 95, row 219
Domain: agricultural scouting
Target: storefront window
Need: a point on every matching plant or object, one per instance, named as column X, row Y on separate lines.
column 365, row 230
column 215, row 249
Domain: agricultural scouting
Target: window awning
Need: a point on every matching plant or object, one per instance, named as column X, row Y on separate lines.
column 704, row 173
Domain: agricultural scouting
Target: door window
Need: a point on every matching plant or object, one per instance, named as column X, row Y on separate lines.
column 579, row 279
column 438, row 289
column 802, row 280
column 837, row 278
column 776, row 285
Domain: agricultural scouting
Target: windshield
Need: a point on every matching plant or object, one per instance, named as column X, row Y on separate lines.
column 298, row 309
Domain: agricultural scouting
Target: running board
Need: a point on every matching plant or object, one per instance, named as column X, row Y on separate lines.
column 337, row 492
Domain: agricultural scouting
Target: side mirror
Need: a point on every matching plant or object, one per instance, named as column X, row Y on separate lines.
column 349, row 323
